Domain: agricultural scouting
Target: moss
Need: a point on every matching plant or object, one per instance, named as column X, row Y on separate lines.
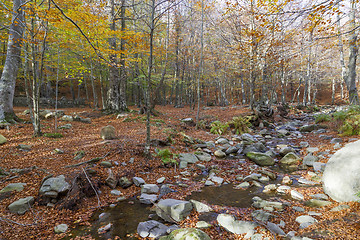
column 53, row 135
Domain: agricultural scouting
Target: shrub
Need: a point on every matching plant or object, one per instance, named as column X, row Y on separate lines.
column 339, row 116
column 53, row 135
column 219, row 128
column 167, row 157
column 240, row 124
column 322, row 118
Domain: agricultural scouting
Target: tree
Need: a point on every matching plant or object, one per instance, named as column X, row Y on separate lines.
column 12, row 63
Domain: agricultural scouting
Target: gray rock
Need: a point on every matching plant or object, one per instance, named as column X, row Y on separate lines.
column 244, row 185
column 3, row 140
column 203, row 156
column 286, row 180
column 13, row 187
column 222, row 141
column 260, row 203
column 312, row 149
column 61, row 228
column 111, row 181
column 203, row 224
column 336, row 140
column 309, row 128
column 188, row 121
column 24, row 147
column 319, row 166
column 271, row 175
column 248, row 138
column 201, row 207
column 319, row 196
column 305, row 221
column 309, row 160
column 317, row 203
column 261, row 159
column 124, row 182
column 108, row 132
column 261, row 215
column 188, row 234
column 296, row 195
column 285, row 150
column 151, row 229
column 341, row 176
column 304, row 181
column 160, row 180
column 235, row 226
column 290, row 159
column 183, row 164
column 149, row 188
column 259, row 236
column 53, row 185
column 219, row 154
column 231, row 149
column 340, row 208
column 304, row 144
column 299, row 209
column 148, row 198
column 217, row 180
column 173, row 210
column 188, row 158
column 256, row 147
column 67, row 118
column 275, row 228
column 22, row 205
column 105, row 228
column 115, row 192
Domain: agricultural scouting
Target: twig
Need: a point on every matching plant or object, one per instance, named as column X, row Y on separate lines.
column 94, row 160
column 99, row 203
column 9, row 221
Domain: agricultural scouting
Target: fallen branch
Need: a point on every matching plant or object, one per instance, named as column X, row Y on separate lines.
column 9, row 221
column 99, row 203
column 94, row 160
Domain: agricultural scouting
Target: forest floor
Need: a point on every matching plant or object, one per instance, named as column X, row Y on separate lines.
column 41, row 161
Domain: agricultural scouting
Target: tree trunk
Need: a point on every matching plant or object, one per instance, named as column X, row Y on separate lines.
column 12, row 63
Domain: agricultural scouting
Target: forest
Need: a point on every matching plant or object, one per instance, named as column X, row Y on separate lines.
column 166, row 119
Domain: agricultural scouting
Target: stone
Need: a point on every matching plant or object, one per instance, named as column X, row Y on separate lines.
column 149, row 188
column 235, row 226
column 271, row 175
column 209, row 183
column 309, row 128
column 54, row 185
column 65, row 126
column 160, row 180
column 188, row 234
column 341, row 176
column 260, row 203
column 105, row 228
column 173, row 210
column 261, row 215
column 116, row 192
column 22, row 205
column 67, row 118
column 304, row 181
column 111, row 181
column 255, row 147
column 188, row 121
column 286, row 180
column 337, row 146
column 319, row 166
column 309, row 160
column 317, row 203
column 248, row 138
column 261, row 159
column 305, row 221
column 13, row 187
column 275, row 228
column 336, row 140
column 283, row 189
column 201, row 207
column 183, row 165
column 269, row 188
column 203, row 156
column 108, row 132
column 299, row 209
column 285, row 150
column 219, row 154
column 188, row 158
column 222, row 141
column 85, row 120
column 3, row 140
column 289, row 159
column 296, row 195
column 148, row 198
column 203, row 224
column 231, row 149
column 124, row 182
column 58, row 151
column 304, row 144
column 24, row 147
column 312, row 149
column 61, row 228
column 319, row 196
column 340, row 208
column 217, row 180
column 106, row 164
column 244, row 185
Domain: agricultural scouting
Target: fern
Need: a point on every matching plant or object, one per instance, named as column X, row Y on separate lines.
column 219, row 128
column 241, row 124
column 322, row 118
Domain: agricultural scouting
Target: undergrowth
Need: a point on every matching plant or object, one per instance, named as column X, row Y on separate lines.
column 166, row 156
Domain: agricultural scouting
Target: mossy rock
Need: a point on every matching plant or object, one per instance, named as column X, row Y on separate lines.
column 188, row 234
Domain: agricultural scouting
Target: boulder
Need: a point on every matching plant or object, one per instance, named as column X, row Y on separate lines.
column 289, row 162
column 108, row 132
column 173, row 210
column 309, row 160
column 67, row 118
column 219, row 153
column 151, row 229
column 22, row 205
column 54, row 186
column 203, row 156
column 13, row 187
column 261, row 159
column 235, row 226
column 188, row 158
column 149, row 188
column 111, row 181
column 317, row 203
column 341, row 177
column 3, row 140
column 188, row 234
